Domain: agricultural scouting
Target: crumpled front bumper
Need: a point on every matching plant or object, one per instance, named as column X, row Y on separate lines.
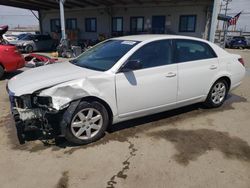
column 23, row 118
column 19, row 126
column 16, row 116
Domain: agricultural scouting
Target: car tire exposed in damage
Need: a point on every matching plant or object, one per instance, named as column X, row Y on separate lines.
column 84, row 108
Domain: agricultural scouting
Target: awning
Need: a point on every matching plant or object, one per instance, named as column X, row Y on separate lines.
column 53, row 4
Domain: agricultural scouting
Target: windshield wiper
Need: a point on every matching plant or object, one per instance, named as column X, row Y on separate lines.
column 73, row 61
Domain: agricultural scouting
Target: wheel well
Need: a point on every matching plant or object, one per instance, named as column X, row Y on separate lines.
column 2, row 66
column 110, row 113
column 227, row 80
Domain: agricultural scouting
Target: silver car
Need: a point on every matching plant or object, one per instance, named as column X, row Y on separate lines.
column 30, row 43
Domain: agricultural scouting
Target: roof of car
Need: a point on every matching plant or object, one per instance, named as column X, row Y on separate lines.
column 146, row 37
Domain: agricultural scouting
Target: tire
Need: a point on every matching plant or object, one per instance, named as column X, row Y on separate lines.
column 83, row 129
column 1, row 72
column 217, row 95
column 29, row 49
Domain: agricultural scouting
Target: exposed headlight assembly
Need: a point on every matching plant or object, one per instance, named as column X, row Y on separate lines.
column 43, row 101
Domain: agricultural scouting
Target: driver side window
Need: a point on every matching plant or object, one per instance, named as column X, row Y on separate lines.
column 157, row 53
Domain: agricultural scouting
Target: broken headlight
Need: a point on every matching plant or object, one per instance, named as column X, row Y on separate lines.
column 43, row 101
column 23, row 102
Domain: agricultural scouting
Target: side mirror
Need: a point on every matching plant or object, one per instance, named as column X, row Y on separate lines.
column 131, row 65
column 36, row 40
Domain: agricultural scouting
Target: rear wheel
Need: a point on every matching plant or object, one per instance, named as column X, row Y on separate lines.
column 217, row 94
column 1, row 71
column 88, row 123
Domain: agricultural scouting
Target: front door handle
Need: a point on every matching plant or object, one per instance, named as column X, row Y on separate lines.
column 212, row 67
column 171, row 74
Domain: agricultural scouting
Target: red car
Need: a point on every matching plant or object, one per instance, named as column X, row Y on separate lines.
column 10, row 58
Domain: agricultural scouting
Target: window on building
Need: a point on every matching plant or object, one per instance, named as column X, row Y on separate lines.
column 117, row 24
column 157, row 53
column 55, row 25
column 190, row 50
column 71, row 23
column 136, row 24
column 90, row 24
column 187, row 23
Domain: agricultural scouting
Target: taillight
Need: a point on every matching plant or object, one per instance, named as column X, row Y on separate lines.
column 241, row 61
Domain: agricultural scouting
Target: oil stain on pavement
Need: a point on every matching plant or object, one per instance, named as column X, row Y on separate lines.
column 190, row 144
column 123, row 131
column 64, row 180
column 126, row 165
column 130, row 129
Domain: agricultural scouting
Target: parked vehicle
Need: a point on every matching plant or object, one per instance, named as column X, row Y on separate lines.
column 10, row 58
column 22, row 35
column 121, row 79
column 30, row 43
column 9, row 37
column 237, row 42
column 248, row 41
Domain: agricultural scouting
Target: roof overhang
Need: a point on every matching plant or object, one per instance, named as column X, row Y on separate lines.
column 70, row 4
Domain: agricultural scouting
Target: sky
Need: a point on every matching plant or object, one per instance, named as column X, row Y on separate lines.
column 16, row 16
column 23, row 17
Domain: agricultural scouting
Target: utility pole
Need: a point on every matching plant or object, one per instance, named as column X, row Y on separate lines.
column 225, row 24
column 61, row 4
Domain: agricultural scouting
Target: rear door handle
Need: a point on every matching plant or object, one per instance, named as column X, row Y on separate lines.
column 171, row 74
column 212, row 67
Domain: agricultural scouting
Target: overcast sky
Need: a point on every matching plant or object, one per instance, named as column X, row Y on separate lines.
column 241, row 5
column 15, row 16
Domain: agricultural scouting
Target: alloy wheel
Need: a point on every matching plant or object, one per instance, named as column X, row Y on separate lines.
column 86, row 123
column 218, row 92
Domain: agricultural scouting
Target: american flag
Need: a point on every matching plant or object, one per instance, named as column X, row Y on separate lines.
column 233, row 20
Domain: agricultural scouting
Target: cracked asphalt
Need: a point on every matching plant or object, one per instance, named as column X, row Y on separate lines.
column 188, row 147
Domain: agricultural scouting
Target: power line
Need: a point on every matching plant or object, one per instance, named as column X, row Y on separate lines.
column 14, row 15
column 243, row 13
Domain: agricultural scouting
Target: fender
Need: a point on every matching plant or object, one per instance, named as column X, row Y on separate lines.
column 218, row 76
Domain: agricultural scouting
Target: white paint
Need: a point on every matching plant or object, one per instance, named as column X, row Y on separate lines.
column 136, row 93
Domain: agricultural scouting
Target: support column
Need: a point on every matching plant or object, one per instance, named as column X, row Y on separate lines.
column 40, row 22
column 214, row 20
column 61, row 2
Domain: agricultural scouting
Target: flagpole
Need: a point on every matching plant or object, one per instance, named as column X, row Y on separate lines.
column 225, row 25
column 225, row 35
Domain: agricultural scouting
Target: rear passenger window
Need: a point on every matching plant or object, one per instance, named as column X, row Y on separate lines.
column 190, row 50
column 154, row 54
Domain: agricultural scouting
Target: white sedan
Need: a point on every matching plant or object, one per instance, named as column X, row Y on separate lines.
column 121, row 79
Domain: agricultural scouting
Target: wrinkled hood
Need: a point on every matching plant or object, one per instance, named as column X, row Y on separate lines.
column 46, row 76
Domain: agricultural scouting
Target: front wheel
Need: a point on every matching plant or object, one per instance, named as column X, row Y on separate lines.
column 88, row 123
column 217, row 94
column 29, row 49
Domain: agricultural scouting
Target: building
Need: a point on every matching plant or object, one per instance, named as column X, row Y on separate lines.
column 88, row 19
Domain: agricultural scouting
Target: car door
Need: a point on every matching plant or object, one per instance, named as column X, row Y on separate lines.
column 38, row 43
column 152, row 86
column 48, row 43
column 197, row 67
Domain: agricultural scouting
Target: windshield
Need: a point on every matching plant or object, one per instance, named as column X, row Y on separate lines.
column 27, row 37
column 239, row 38
column 104, row 55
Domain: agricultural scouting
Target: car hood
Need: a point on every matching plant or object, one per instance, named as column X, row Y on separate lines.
column 20, row 41
column 47, row 76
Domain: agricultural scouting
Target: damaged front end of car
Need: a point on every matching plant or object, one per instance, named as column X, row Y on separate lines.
column 35, row 117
